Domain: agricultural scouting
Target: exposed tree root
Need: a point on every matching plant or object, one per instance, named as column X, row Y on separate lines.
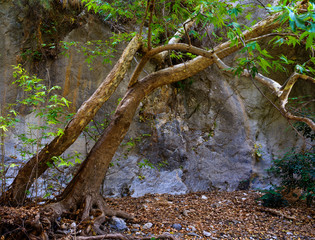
column 94, row 212
column 277, row 213
column 92, row 206
column 163, row 236
column 123, row 237
column 105, row 236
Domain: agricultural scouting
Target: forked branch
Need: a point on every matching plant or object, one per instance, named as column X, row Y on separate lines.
column 176, row 46
column 173, row 44
column 282, row 92
column 160, row 52
column 285, row 95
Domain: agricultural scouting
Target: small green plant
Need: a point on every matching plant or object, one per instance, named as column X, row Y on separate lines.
column 257, row 151
column 94, row 130
column 296, row 170
column 67, row 161
column 91, row 50
column 7, row 121
column 132, row 143
column 273, row 198
column 162, row 164
column 47, row 106
column 141, row 177
column 145, row 163
column 49, row 111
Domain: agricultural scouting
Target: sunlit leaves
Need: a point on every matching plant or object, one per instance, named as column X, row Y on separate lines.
column 48, row 107
column 235, row 11
column 8, row 120
column 309, row 37
column 233, row 37
column 299, row 17
column 292, row 40
column 264, row 64
column 285, row 60
column 92, row 50
column 300, row 68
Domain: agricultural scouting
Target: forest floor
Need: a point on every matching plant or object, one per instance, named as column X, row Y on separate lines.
column 215, row 215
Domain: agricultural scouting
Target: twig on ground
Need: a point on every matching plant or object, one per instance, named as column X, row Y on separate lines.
column 277, row 213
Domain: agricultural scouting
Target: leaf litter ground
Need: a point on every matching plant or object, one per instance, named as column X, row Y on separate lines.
column 214, row 215
column 225, row 215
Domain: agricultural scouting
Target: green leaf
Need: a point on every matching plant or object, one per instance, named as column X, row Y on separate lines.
column 292, row 41
column 309, row 41
column 251, row 45
column 47, row 195
column 311, row 27
column 303, row 35
column 65, row 101
column 77, row 160
column 264, row 64
column 60, row 132
column 300, row 68
column 254, row 71
column 285, row 59
column 235, row 11
column 4, row 128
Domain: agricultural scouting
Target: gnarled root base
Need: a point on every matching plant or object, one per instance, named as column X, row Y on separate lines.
column 91, row 212
column 81, row 220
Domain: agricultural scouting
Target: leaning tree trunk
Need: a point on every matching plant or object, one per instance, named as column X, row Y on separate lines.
column 26, row 176
column 16, row 194
column 84, row 189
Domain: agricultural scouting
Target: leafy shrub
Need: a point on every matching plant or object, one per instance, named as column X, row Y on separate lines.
column 296, row 170
column 273, row 198
column 305, row 130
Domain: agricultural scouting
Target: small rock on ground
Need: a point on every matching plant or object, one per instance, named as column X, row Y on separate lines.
column 147, row 225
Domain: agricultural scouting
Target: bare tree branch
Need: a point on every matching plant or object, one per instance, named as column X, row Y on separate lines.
column 276, row 89
column 271, row 84
column 177, row 46
column 151, row 9
column 285, row 95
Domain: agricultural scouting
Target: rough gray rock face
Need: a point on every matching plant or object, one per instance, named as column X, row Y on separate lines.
column 134, row 181
column 196, row 136
column 11, row 35
column 158, row 182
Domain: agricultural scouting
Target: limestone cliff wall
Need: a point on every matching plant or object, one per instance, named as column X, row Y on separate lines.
column 198, row 135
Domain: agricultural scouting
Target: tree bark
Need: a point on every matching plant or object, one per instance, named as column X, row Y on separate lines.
column 26, row 176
